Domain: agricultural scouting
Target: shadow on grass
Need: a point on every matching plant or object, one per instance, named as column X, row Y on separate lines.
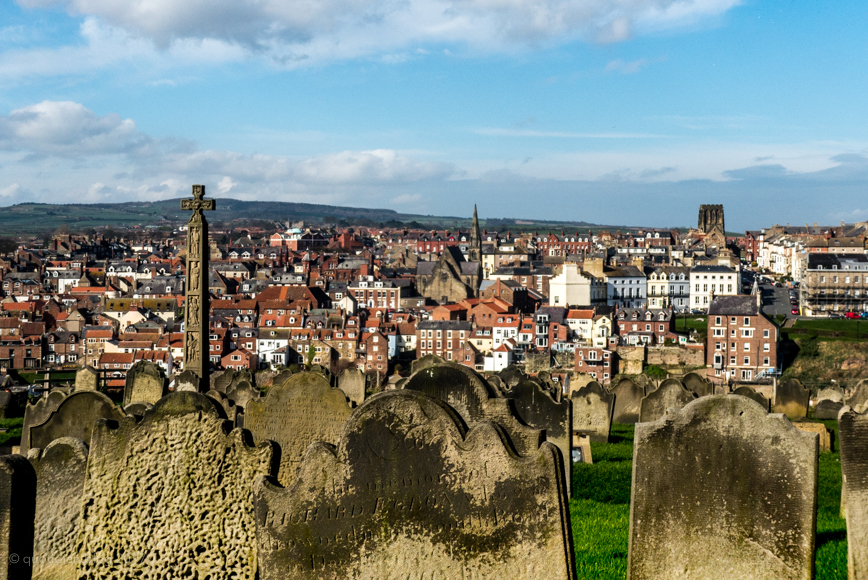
column 826, row 537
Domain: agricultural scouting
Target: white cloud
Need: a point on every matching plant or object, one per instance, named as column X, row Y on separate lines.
column 296, row 32
column 65, row 128
column 626, row 68
column 10, row 190
column 496, row 132
column 407, row 198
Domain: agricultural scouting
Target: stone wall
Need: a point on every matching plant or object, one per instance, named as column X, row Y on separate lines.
column 676, row 356
column 631, row 359
column 539, row 362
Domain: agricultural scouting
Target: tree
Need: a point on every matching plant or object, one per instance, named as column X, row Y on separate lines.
column 311, row 352
column 655, row 372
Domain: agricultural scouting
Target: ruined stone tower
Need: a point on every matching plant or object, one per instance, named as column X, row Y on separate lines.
column 711, row 223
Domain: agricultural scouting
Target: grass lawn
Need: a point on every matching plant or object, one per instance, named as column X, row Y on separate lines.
column 13, row 435
column 827, row 328
column 600, row 511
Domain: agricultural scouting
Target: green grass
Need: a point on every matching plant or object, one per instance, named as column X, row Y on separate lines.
column 830, row 329
column 600, row 511
column 13, row 435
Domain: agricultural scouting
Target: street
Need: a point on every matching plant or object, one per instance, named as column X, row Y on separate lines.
column 776, row 301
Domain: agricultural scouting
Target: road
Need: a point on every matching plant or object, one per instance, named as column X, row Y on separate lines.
column 776, row 301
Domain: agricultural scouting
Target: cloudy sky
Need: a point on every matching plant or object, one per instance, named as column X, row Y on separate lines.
column 609, row 111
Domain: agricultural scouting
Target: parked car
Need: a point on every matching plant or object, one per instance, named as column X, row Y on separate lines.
column 863, row 315
column 794, row 311
column 852, row 315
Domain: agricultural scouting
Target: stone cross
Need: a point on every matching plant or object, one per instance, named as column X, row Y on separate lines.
column 197, row 299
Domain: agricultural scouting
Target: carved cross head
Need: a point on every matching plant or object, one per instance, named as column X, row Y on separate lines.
column 198, row 203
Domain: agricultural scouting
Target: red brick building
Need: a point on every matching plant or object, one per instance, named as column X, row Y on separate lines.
column 742, row 343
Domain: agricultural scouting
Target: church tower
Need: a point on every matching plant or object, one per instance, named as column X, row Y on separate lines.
column 474, row 253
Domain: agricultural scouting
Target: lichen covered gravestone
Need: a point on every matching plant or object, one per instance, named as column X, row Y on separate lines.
column 75, row 417
column 146, row 383
column 698, row 384
column 670, row 394
column 722, row 490
column 791, row 399
column 295, row 414
column 17, row 508
column 628, row 401
column 169, row 497
column 408, row 493
column 830, row 401
column 87, row 379
column 592, row 411
column 853, row 442
column 535, row 406
column 38, row 413
column 187, row 381
column 60, row 470
column 745, row 391
column 808, row 426
column 470, row 395
column 425, row 361
column 353, row 382
column 858, row 399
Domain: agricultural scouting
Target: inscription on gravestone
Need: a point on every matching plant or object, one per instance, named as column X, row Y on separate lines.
column 592, row 411
column 75, row 417
column 670, row 394
column 145, row 383
column 853, row 442
column 60, row 470
column 87, row 379
column 169, row 497
column 295, row 414
column 470, row 395
column 408, row 493
column 721, row 489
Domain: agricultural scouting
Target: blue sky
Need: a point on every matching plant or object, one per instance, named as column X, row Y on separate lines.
column 609, row 111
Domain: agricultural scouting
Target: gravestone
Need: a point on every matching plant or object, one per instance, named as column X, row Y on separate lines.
column 137, row 409
column 60, row 470
column 230, row 410
column 12, row 405
column 471, row 396
column 187, row 381
column 858, row 399
column 791, row 399
column 169, row 496
column 670, row 394
column 75, row 417
column 535, row 407
column 87, row 379
column 748, row 392
column 827, row 409
column 698, row 384
column 37, row 413
column 5, row 403
column 242, row 393
column 230, row 377
column 592, row 411
column 581, row 452
column 835, row 394
column 17, row 509
column 409, row 493
column 808, row 426
column 294, row 415
column 353, row 382
column 628, row 401
column 853, row 443
column 425, row 361
column 511, row 376
column 282, row 377
column 722, row 489
column 146, row 383
column 496, row 385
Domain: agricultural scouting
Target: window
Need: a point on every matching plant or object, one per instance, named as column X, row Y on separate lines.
column 766, row 347
column 766, row 333
column 716, row 332
column 747, row 332
column 717, row 320
column 746, row 347
column 746, row 360
column 766, row 361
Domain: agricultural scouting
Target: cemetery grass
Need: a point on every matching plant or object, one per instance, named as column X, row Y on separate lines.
column 600, row 511
column 12, row 436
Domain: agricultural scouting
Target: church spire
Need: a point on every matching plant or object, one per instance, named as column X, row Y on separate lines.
column 475, row 250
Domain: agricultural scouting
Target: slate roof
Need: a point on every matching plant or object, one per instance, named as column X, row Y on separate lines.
column 835, row 261
column 734, row 306
column 444, row 325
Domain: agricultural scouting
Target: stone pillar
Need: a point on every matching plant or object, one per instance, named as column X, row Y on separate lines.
column 197, row 304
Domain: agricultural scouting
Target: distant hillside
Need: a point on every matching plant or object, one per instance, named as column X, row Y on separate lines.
column 41, row 218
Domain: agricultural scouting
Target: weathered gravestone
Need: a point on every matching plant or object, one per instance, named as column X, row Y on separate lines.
column 698, row 384
column 294, row 415
column 496, row 384
column 75, row 417
column 87, row 379
column 592, row 411
column 858, row 399
column 409, row 493
column 808, row 426
column 628, row 401
column 229, row 407
column 511, row 376
column 536, row 407
column 6, row 402
column 242, row 393
column 830, row 401
column 282, row 377
column 353, row 383
column 745, row 391
column 37, row 413
column 723, row 490
column 670, row 394
column 169, row 497
column 791, row 399
column 17, row 509
column 853, row 443
column 137, row 409
column 146, row 383
column 470, row 395
column 187, row 381
column 60, row 470
column 223, row 381
column 581, row 452
column 425, row 361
